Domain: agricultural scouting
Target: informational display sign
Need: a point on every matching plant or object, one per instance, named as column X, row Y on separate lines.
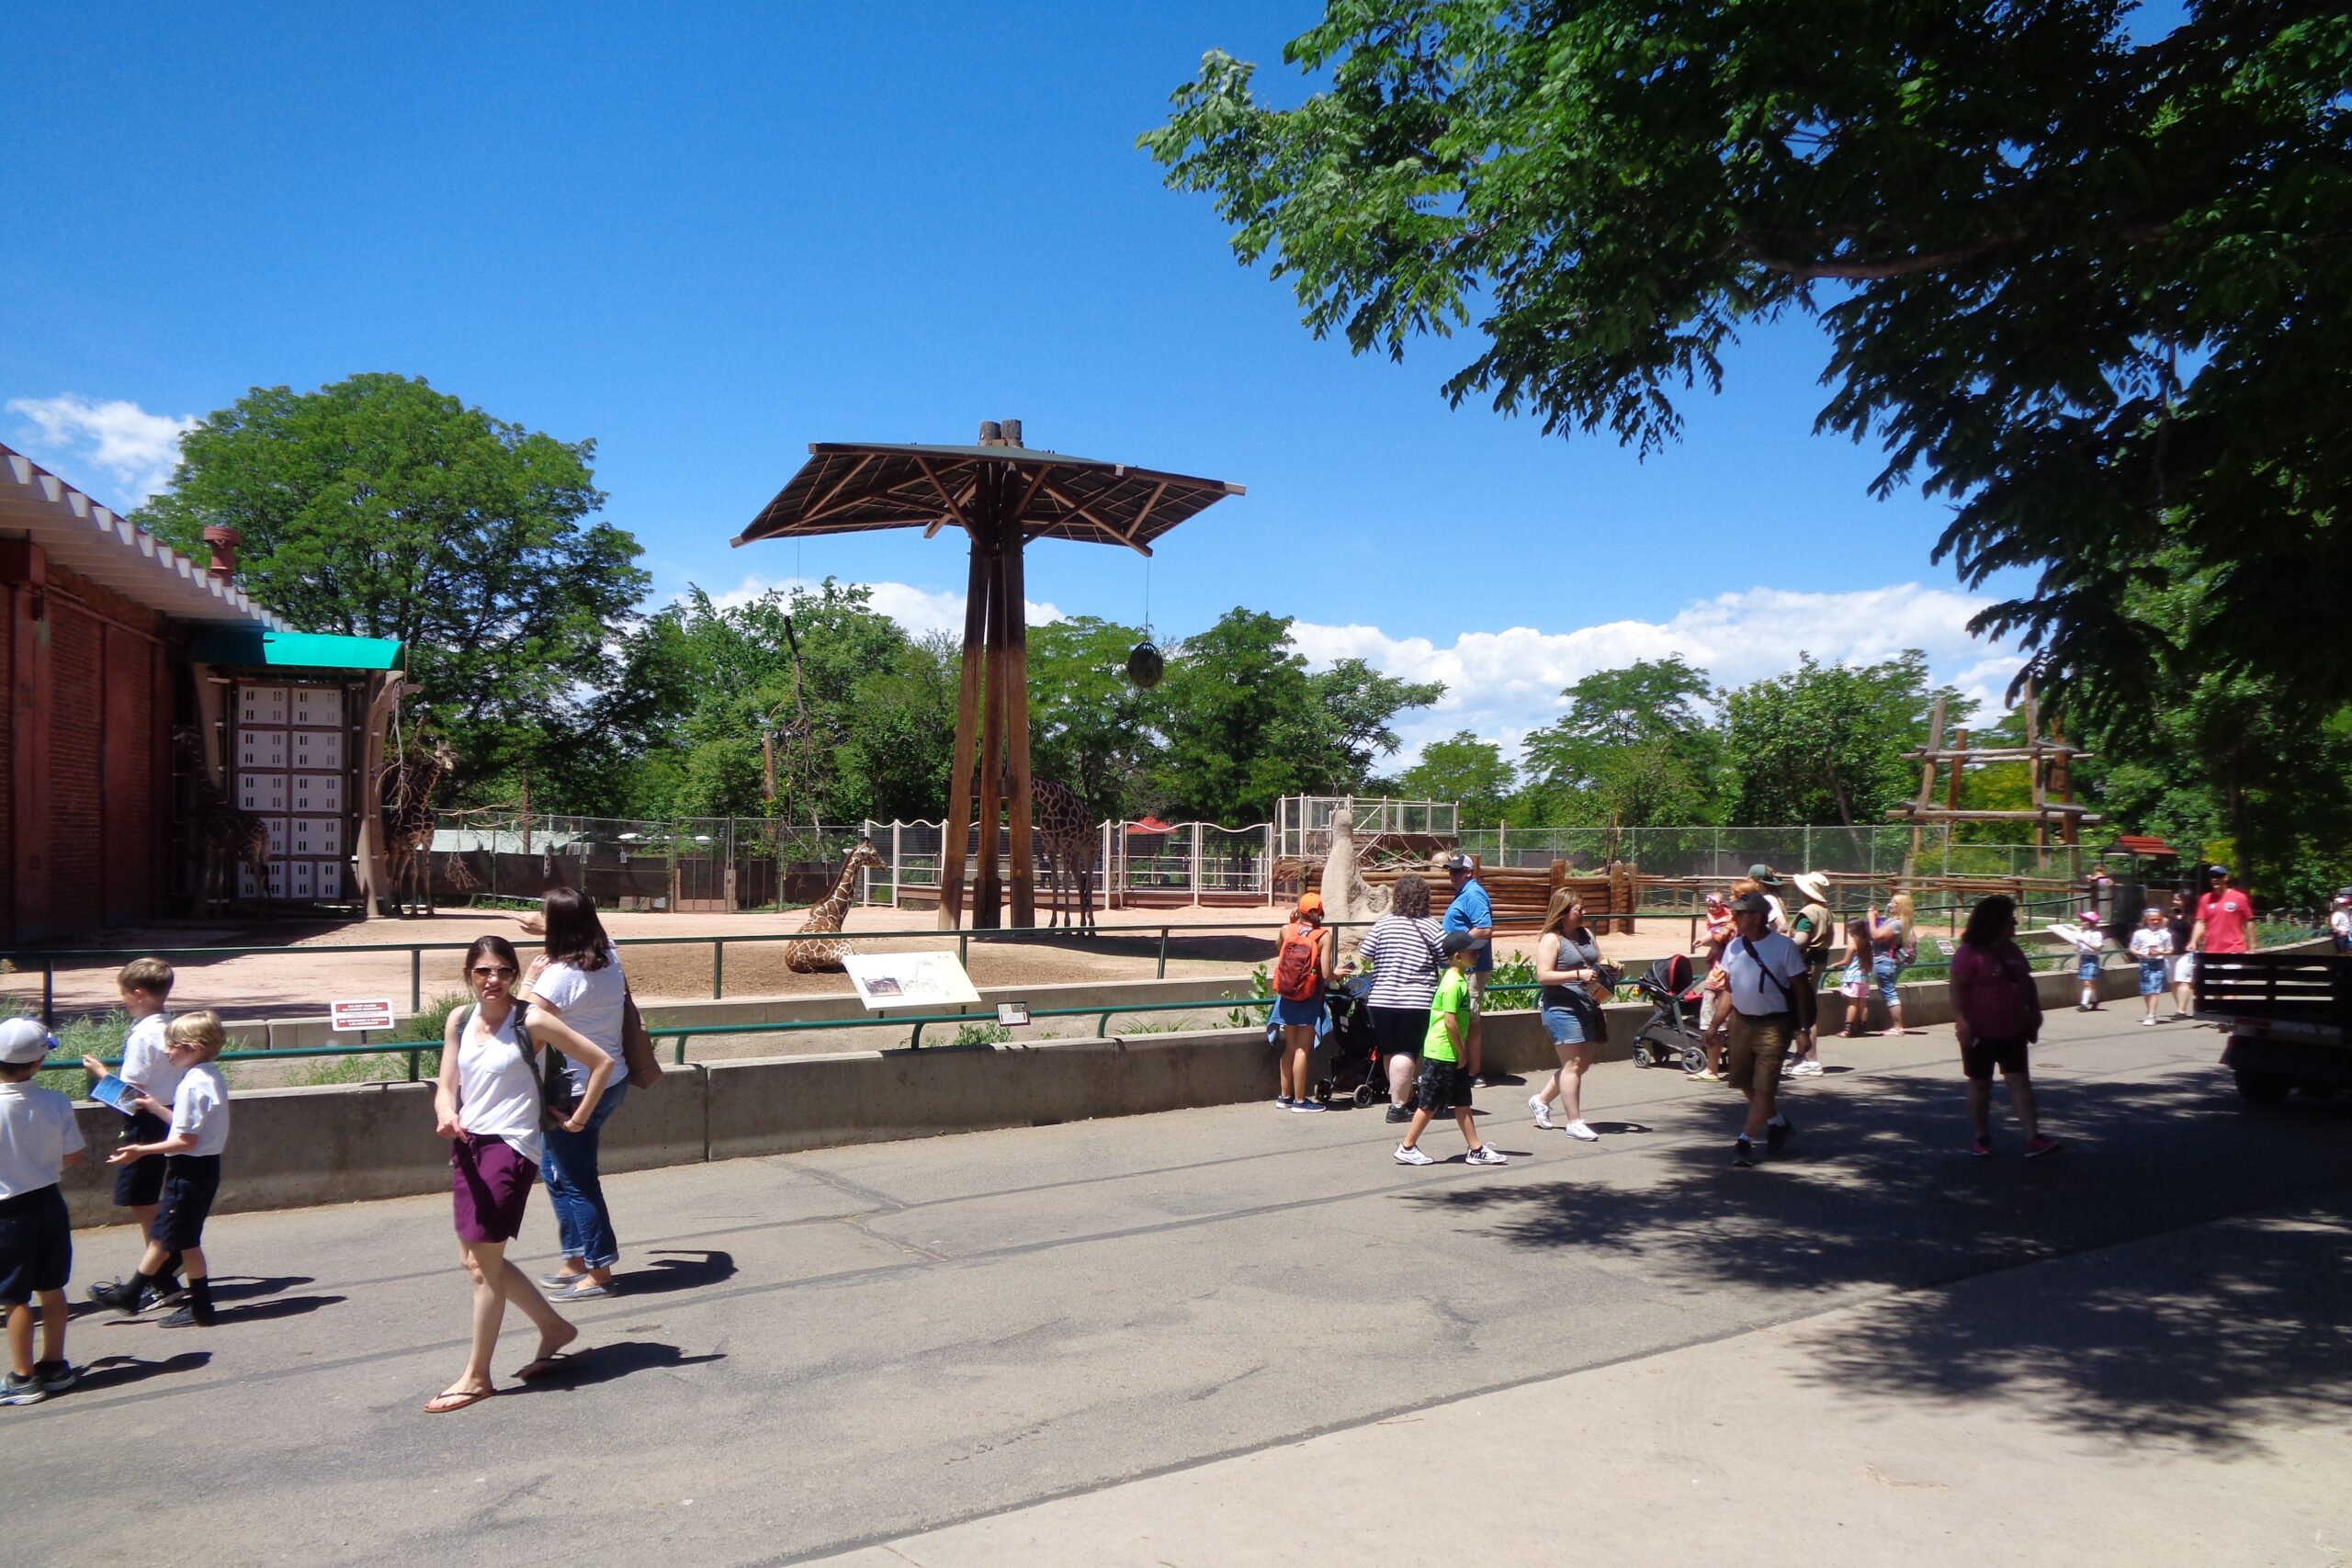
column 350, row 1017
column 1012, row 1015
column 915, row 980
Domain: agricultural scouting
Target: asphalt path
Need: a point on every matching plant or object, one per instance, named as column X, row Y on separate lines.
column 825, row 1353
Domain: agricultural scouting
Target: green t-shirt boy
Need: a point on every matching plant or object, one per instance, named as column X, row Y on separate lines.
column 1452, row 1001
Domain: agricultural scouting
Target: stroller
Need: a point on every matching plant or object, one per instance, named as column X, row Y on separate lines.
column 1355, row 1055
column 1670, row 1036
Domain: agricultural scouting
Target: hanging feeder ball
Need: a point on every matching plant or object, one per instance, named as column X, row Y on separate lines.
column 1145, row 666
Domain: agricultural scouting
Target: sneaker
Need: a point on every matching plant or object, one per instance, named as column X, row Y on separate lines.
column 1400, row 1113
column 2148, row 1022
column 1543, row 1111
column 163, row 1293
column 118, row 1295
column 1776, row 1133
column 1581, row 1132
column 1300, row 1105
column 14, row 1390
column 1284, row 1102
column 1743, row 1153
column 1981, row 1147
column 186, row 1318
column 1487, row 1154
column 56, row 1377
column 2036, row 1147
column 1405, row 1155
column 1805, row 1070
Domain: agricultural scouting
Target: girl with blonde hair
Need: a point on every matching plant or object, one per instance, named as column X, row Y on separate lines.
column 1567, row 961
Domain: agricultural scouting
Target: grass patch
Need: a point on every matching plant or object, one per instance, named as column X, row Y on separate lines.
column 430, row 1024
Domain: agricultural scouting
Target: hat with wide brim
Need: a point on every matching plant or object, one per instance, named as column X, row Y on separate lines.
column 1813, row 884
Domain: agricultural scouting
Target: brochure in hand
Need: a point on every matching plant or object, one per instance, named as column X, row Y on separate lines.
column 112, row 1090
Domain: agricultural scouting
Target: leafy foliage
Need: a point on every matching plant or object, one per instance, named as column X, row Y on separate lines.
column 1825, row 743
column 2095, row 292
column 1462, row 769
column 1634, row 749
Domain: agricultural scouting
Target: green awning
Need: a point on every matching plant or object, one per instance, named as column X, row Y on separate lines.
column 292, row 651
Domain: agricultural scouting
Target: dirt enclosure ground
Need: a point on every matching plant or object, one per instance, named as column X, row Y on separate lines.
column 312, row 964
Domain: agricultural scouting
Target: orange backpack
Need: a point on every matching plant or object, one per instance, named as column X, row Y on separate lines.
column 1298, row 969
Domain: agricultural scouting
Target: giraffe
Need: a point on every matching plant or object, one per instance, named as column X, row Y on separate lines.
column 1058, row 818
column 229, row 836
column 407, row 788
column 817, row 957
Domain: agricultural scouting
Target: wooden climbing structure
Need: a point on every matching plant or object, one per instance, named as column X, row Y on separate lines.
column 2049, row 759
column 1002, row 494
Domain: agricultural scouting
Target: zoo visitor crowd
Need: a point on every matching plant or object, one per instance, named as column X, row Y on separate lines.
column 541, row 1057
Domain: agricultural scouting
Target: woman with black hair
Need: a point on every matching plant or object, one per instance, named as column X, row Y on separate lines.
column 1997, row 1013
column 578, row 980
column 489, row 1104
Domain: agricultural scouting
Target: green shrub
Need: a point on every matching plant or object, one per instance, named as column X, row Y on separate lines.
column 430, row 1024
column 981, row 1034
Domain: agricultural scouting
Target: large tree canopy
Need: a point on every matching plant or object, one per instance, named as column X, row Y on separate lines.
column 379, row 507
column 2096, row 290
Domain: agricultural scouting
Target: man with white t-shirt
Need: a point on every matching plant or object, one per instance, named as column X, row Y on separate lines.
column 1772, row 1000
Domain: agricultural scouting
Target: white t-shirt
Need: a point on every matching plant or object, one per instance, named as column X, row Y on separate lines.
column 1753, row 994
column 590, row 1001
column 37, row 1132
column 147, row 1059
column 498, row 1085
column 2340, row 923
column 2152, row 941
column 1779, row 918
column 201, row 1108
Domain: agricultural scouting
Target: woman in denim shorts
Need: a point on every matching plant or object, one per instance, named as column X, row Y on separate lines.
column 1567, row 959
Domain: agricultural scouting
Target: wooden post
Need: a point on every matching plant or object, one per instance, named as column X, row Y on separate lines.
column 1951, row 786
column 1014, row 604
column 988, row 887
column 1927, row 785
column 967, row 730
column 373, row 873
column 2070, row 831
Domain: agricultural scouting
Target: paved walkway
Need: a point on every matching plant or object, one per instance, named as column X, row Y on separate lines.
column 1232, row 1337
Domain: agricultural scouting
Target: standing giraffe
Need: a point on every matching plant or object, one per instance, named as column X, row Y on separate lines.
column 1068, row 841
column 408, row 786
column 817, row 957
column 229, row 836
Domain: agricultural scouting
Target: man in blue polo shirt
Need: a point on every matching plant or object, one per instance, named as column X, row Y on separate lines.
column 1473, row 914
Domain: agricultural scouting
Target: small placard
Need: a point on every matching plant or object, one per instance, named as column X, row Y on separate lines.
column 1012, row 1015
column 349, row 1018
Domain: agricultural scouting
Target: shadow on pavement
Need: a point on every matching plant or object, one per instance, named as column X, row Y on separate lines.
column 681, row 1269
column 1877, row 1190
column 245, row 1287
column 118, row 1371
column 603, row 1363
column 278, row 1306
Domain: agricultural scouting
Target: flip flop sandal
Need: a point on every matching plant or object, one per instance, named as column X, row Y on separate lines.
column 590, row 1291
column 444, row 1404
column 548, row 1366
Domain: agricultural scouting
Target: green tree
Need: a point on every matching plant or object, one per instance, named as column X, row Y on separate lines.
column 1464, row 769
column 1090, row 727
column 2094, row 290
column 1823, row 744
column 1634, row 749
column 379, row 507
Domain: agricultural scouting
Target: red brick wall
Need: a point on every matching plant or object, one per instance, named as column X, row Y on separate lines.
column 11, row 601
column 75, row 835
column 129, row 764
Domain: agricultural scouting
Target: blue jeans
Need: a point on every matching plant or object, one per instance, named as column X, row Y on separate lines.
column 1888, row 974
column 577, row 1192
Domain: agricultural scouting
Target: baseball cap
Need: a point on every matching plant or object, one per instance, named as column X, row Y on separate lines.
column 23, row 1040
column 1459, row 862
column 1764, row 873
column 1751, row 904
column 1310, row 903
column 2217, row 870
column 2091, row 915
column 1452, row 942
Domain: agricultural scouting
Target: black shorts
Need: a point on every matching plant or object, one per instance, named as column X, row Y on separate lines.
column 1979, row 1059
column 36, row 1245
column 1442, row 1086
column 190, row 1183
column 1398, row 1031
column 142, row 1182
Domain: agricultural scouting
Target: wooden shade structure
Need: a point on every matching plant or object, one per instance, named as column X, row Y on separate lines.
column 1003, row 495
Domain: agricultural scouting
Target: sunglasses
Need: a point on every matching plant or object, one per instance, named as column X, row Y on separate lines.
column 496, row 972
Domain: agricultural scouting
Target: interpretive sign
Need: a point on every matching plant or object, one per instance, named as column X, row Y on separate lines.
column 909, row 980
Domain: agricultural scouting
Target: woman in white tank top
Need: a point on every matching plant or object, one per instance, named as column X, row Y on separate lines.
column 488, row 1104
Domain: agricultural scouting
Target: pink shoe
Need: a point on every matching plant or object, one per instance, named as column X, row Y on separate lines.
column 2036, row 1147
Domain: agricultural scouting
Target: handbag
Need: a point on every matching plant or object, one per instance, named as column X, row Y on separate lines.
column 637, row 1045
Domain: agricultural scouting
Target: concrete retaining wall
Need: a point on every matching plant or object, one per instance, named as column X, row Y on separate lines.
column 342, row 1144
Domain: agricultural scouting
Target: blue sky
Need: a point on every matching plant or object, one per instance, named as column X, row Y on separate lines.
column 705, row 235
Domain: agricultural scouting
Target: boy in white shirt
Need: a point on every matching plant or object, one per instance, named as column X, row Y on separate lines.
column 199, row 1132
column 144, row 985
column 39, row 1139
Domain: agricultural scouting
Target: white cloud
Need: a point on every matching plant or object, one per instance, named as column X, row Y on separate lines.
column 139, row 448
column 1502, row 684
column 919, row 610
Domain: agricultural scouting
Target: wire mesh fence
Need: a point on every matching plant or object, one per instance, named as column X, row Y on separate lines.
column 1876, row 851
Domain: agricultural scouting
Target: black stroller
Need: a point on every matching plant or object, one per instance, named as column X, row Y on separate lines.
column 1355, row 1055
column 1669, row 1037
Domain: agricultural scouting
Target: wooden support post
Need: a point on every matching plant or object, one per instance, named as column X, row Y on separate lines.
column 1014, row 604
column 988, row 887
column 373, row 870
column 1951, row 786
column 1927, row 785
column 2062, row 770
column 951, row 848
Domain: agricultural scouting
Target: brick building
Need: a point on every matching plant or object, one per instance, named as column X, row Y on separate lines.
column 111, row 649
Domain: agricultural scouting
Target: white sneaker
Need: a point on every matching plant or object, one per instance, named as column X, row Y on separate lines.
column 1487, row 1154
column 1805, row 1070
column 2147, row 1024
column 1412, row 1156
column 1543, row 1111
column 1581, row 1132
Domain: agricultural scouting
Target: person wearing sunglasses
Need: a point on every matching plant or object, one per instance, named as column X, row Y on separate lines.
column 490, row 1104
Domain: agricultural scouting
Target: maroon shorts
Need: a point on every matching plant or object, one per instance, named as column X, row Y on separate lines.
column 491, row 1183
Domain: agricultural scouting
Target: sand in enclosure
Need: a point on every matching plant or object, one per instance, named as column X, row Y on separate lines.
column 309, row 966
